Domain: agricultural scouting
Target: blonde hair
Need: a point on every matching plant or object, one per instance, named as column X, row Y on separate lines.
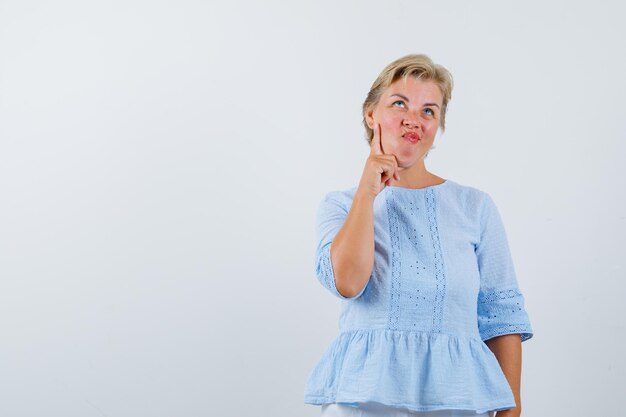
column 419, row 66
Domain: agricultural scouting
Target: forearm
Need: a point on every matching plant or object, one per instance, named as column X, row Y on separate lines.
column 352, row 249
column 508, row 350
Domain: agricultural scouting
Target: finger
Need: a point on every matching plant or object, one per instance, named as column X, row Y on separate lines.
column 380, row 138
column 387, row 172
column 376, row 148
column 396, row 174
column 394, row 167
column 385, row 180
column 387, row 167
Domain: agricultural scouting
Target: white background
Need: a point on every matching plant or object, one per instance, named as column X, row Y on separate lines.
column 161, row 163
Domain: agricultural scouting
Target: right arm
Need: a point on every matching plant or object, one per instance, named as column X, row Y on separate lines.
column 352, row 249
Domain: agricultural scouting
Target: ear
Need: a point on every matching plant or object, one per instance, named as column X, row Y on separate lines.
column 369, row 118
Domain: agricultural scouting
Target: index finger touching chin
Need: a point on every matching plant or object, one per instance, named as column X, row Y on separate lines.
column 380, row 139
column 377, row 147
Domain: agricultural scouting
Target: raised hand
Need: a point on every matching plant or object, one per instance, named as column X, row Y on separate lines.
column 379, row 169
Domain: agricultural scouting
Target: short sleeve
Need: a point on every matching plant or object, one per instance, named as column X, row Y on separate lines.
column 500, row 302
column 331, row 215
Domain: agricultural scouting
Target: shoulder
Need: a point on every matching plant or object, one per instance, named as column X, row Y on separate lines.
column 339, row 198
column 469, row 197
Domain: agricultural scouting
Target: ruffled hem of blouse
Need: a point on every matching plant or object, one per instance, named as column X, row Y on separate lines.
column 419, row 371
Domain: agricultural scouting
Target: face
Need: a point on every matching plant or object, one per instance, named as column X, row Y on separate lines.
column 408, row 112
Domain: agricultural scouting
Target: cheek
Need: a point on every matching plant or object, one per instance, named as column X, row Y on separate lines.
column 431, row 127
column 391, row 121
column 388, row 124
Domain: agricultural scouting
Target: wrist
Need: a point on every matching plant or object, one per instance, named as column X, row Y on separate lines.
column 364, row 196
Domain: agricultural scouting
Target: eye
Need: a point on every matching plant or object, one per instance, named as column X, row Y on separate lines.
column 428, row 109
column 398, row 101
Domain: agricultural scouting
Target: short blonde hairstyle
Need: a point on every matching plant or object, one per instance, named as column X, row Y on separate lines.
column 419, row 66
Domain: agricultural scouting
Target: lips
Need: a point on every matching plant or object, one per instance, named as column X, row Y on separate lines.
column 412, row 137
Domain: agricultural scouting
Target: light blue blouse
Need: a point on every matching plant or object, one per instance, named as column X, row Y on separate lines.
column 443, row 282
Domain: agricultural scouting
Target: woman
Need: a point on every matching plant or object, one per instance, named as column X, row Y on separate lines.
column 432, row 318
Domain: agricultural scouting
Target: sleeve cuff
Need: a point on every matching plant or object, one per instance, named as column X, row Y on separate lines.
column 502, row 312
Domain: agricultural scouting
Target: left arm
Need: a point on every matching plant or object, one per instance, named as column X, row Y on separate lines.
column 503, row 323
column 508, row 350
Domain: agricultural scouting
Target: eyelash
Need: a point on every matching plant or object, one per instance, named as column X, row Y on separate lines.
column 432, row 112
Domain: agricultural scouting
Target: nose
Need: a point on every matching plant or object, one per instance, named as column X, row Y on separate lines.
column 412, row 123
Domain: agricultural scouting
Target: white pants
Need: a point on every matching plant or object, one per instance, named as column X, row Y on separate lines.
column 373, row 409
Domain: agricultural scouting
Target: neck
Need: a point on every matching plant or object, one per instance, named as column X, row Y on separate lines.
column 416, row 176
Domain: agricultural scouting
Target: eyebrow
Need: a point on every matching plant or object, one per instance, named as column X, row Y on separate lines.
column 405, row 98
